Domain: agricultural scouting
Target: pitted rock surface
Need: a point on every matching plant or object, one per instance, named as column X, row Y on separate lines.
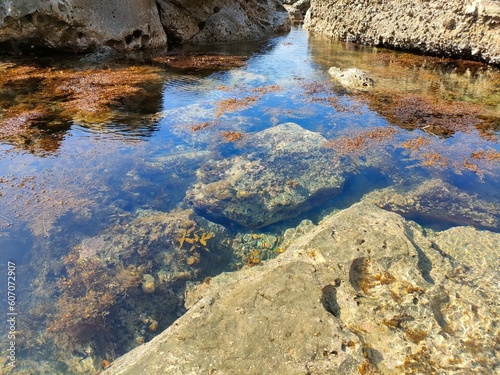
column 465, row 29
column 222, row 20
column 352, row 78
column 365, row 291
column 81, row 25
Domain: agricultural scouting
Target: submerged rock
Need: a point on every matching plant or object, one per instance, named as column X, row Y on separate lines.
column 437, row 200
column 282, row 171
column 80, row 25
column 351, row 78
column 363, row 292
column 222, row 20
column 297, row 8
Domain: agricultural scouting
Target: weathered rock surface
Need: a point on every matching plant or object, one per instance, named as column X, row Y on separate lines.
column 222, row 20
column 351, row 78
column 297, row 8
column 80, row 25
column 469, row 29
column 281, row 172
column 363, row 292
column 439, row 201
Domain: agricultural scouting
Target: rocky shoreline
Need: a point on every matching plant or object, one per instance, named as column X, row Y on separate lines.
column 82, row 26
column 362, row 292
column 469, row 29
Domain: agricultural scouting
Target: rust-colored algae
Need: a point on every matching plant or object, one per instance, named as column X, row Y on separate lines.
column 233, row 105
column 345, row 145
column 200, row 62
column 37, row 102
column 231, row 136
column 441, row 118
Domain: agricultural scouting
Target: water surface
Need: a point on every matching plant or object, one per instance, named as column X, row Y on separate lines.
column 87, row 148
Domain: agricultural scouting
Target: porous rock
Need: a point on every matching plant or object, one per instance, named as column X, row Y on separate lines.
column 281, row 172
column 297, row 8
column 222, row 20
column 352, row 78
column 466, row 29
column 363, row 292
column 80, row 25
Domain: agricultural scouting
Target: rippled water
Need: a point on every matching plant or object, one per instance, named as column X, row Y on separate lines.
column 423, row 142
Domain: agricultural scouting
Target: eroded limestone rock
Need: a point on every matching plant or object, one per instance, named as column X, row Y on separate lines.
column 363, row 292
column 469, row 29
column 80, row 25
column 222, row 20
column 282, row 171
column 297, row 8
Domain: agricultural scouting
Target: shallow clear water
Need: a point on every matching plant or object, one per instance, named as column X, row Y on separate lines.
column 61, row 187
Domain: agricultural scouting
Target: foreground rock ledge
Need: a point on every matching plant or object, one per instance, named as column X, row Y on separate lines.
column 363, row 292
column 465, row 29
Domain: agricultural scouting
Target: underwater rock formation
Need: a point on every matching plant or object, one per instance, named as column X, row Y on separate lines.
column 437, row 200
column 363, row 292
column 285, row 170
column 80, row 25
column 222, row 20
column 465, row 29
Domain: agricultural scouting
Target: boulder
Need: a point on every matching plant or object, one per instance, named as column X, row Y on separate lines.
column 222, row 20
column 80, row 25
column 279, row 173
column 465, row 29
column 363, row 292
column 352, row 78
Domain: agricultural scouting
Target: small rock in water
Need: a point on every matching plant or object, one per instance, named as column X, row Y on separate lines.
column 351, row 78
column 148, row 285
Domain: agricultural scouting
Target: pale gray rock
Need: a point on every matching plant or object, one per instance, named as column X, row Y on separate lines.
column 466, row 29
column 281, row 172
column 222, row 20
column 363, row 292
column 80, row 25
column 352, row 78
